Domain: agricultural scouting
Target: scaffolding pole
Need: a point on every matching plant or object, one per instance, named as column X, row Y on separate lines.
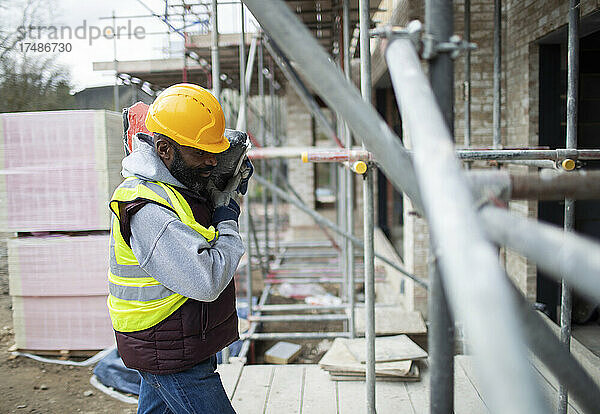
column 439, row 20
column 214, row 50
column 277, row 164
column 571, row 143
column 263, row 139
column 467, row 84
column 368, row 213
column 349, row 193
column 243, row 126
column 497, row 116
column 461, row 247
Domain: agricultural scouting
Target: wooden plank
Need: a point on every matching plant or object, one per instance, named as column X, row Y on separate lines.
column 550, row 392
column 320, row 394
column 418, row 392
column 391, row 320
column 230, row 373
column 550, row 387
column 285, row 395
column 390, row 397
column 250, row 396
column 466, row 398
column 351, row 397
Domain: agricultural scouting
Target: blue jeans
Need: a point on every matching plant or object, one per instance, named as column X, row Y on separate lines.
column 197, row 390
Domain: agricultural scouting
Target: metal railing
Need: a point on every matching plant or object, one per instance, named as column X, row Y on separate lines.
column 464, row 231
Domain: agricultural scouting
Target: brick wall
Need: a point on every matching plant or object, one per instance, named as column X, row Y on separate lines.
column 524, row 22
column 300, row 175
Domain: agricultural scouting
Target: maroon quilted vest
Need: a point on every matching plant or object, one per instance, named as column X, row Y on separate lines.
column 193, row 332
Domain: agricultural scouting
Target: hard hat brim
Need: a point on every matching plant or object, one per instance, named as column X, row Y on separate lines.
column 214, row 148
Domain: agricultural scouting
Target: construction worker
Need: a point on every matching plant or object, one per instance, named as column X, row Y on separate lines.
column 174, row 248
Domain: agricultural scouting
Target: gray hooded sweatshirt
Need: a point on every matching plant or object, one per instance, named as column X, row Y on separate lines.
column 172, row 252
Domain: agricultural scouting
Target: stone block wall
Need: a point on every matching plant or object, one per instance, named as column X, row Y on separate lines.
column 523, row 23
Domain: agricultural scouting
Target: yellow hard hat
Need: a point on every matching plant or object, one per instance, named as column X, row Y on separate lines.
column 189, row 115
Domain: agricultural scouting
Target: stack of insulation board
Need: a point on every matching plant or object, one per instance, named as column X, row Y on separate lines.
column 58, row 169
column 57, row 172
column 59, row 288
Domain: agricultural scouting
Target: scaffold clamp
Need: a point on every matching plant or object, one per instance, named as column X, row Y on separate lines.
column 454, row 46
column 426, row 44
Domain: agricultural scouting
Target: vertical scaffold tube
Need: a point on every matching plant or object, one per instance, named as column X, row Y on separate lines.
column 214, row 51
column 497, row 116
column 263, row 139
column 439, row 24
column 243, row 127
column 349, row 192
column 569, row 222
column 275, row 170
column 467, row 85
column 368, row 214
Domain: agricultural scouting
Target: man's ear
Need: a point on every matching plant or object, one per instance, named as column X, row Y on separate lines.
column 164, row 150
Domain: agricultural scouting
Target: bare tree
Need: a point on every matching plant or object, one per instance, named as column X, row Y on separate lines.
column 29, row 83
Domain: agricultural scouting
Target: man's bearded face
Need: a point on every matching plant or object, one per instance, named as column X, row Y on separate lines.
column 193, row 177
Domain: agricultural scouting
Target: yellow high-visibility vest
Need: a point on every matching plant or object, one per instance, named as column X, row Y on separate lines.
column 137, row 301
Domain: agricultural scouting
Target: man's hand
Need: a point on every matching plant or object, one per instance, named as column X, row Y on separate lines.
column 221, row 198
column 246, row 172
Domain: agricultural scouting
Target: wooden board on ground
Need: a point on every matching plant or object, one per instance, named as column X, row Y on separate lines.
column 308, row 389
column 412, row 375
column 320, row 393
column 387, row 349
column 230, row 374
column 550, row 387
column 339, row 358
column 286, row 391
column 251, row 393
column 470, row 399
column 391, row 320
column 392, row 398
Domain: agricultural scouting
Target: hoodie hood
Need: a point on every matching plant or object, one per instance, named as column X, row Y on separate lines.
column 145, row 163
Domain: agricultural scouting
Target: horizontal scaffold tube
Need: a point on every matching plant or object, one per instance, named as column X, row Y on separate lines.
column 298, row 318
column 311, row 154
column 270, row 336
column 327, row 223
column 527, row 154
column 561, row 254
column 545, row 185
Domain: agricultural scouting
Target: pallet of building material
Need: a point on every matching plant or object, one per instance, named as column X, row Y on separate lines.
column 339, row 361
column 58, row 169
column 62, row 323
column 58, row 287
column 58, row 265
column 387, row 349
column 392, row 320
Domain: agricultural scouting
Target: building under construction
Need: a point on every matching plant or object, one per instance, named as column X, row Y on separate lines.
column 415, row 161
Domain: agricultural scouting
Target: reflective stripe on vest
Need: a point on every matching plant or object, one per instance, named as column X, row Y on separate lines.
column 137, row 301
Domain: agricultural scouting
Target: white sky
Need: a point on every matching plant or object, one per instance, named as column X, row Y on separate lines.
column 73, row 13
